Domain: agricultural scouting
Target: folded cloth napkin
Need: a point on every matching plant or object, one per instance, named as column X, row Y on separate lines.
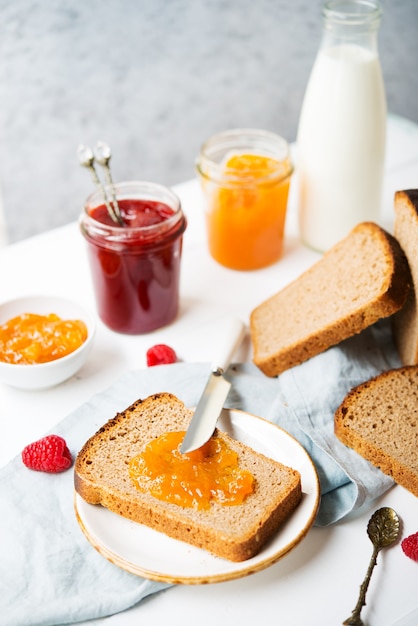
column 49, row 573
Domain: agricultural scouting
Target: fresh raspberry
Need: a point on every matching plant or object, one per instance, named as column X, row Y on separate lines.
column 160, row 355
column 410, row 546
column 49, row 454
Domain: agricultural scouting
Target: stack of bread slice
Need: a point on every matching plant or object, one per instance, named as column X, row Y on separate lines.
column 367, row 276
column 379, row 418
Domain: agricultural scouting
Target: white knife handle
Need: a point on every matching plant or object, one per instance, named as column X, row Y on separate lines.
column 229, row 340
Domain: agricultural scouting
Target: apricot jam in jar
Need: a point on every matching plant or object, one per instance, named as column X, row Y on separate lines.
column 245, row 177
column 135, row 267
column 191, row 480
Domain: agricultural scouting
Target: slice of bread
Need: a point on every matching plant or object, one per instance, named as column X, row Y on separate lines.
column 361, row 279
column 379, row 419
column 233, row 532
column 405, row 323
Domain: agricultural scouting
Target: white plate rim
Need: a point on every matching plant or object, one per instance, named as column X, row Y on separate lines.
column 100, row 526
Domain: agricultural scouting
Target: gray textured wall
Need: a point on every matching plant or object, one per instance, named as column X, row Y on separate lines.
column 154, row 78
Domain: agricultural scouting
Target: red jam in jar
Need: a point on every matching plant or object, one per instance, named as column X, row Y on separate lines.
column 135, row 267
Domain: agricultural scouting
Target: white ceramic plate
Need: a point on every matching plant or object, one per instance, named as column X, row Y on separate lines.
column 151, row 554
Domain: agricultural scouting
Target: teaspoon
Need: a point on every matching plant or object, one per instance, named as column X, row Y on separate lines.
column 86, row 159
column 383, row 530
column 103, row 156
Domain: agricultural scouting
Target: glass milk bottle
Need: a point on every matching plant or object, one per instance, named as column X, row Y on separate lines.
column 342, row 127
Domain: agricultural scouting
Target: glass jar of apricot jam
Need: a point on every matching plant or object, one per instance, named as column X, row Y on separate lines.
column 135, row 266
column 245, row 176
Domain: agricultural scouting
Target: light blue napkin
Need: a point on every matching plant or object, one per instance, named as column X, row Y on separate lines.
column 49, row 573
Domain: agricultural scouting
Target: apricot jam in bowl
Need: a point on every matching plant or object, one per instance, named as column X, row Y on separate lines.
column 44, row 340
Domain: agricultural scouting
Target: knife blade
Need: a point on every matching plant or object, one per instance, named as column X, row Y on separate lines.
column 212, row 400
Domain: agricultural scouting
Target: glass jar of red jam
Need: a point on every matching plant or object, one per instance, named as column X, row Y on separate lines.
column 135, row 267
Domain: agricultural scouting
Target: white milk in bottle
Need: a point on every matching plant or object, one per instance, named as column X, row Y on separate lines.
column 342, row 127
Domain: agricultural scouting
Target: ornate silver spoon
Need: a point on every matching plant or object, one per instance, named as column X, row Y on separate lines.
column 103, row 156
column 86, row 158
column 383, row 530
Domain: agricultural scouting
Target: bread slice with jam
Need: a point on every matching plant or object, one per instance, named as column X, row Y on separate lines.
column 235, row 532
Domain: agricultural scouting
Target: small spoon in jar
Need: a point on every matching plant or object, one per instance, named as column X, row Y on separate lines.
column 383, row 530
column 103, row 156
column 86, row 158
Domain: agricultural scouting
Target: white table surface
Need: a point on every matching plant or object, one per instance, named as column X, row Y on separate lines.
column 318, row 582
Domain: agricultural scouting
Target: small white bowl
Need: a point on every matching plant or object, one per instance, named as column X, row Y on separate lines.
column 44, row 375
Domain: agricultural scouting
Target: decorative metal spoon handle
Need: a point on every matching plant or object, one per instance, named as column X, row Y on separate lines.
column 383, row 530
column 355, row 619
column 86, row 158
column 103, row 155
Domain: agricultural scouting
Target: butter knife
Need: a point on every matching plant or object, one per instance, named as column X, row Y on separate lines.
column 212, row 400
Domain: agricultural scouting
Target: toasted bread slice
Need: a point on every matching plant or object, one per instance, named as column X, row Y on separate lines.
column 379, row 419
column 362, row 279
column 233, row 532
column 405, row 323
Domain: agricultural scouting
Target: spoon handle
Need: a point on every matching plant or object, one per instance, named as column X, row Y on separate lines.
column 86, row 158
column 355, row 619
column 103, row 156
column 111, row 186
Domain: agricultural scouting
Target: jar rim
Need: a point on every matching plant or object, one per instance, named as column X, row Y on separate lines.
column 210, row 163
column 131, row 190
column 121, row 239
column 352, row 11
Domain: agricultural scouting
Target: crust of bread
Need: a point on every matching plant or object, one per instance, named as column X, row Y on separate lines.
column 235, row 533
column 379, row 420
column 405, row 322
column 363, row 278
